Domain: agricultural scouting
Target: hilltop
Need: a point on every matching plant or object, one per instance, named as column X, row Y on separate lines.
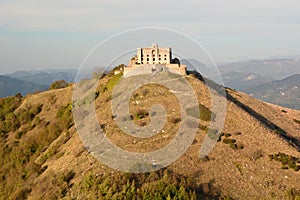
column 42, row 156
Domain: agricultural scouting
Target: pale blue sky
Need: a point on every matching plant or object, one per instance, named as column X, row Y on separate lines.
column 37, row 34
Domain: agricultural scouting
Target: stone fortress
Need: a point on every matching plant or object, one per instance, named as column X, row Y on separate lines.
column 152, row 60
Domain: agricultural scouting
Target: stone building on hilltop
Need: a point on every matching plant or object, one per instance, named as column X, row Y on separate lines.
column 152, row 60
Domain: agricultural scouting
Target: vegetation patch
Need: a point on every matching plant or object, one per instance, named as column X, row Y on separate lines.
column 297, row 121
column 287, row 161
column 113, row 81
column 65, row 117
column 58, row 84
column 231, row 142
column 161, row 184
column 206, row 114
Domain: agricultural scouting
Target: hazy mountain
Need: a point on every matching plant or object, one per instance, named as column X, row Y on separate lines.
column 45, row 77
column 284, row 92
column 275, row 69
column 243, row 81
column 11, row 86
column 193, row 64
column 43, row 157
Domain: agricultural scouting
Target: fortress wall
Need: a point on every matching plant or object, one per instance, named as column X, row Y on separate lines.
column 153, row 68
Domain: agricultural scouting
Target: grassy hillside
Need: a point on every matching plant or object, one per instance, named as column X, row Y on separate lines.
column 42, row 156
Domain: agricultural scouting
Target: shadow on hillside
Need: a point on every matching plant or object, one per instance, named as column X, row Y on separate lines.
column 221, row 91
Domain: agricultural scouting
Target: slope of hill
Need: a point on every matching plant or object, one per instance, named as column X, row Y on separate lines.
column 11, row 86
column 42, row 156
column 284, row 92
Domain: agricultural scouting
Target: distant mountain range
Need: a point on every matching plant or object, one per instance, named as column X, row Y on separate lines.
column 11, row 86
column 25, row 82
column 284, row 92
column 243, row 81
column 275, row 69
column 45, row 77
column 273, row 80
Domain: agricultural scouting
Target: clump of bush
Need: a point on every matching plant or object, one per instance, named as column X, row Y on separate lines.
column 202, row 127
column 65, row 117
column 231, row 142
column 27, row 115
column 141, row 114
column 58, row 84
column 160, row 184
column 206, row 114
column 8, row 120
column 287, row 161
column 175, row 120
column 113, row 81
column 293, row 194
column 297, row 121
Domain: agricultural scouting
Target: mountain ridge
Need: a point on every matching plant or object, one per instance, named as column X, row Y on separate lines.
column 11, row 86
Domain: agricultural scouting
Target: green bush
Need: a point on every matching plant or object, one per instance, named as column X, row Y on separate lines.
column 228, row 141
column 206, row 114
column 9, row 105
column 58, row 84
column 141, row 114
column 113, row 81
column 287, row 161
column 64, row 116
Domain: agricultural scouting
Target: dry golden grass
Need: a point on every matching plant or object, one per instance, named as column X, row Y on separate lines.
column 246, row 173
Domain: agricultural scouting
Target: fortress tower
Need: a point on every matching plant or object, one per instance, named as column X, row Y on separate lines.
column 153, row 60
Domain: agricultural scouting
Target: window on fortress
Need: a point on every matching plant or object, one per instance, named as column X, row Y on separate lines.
column 165, row 58
column 147, row 55
column 165, row 55
column 159, row 59
column 153, row 59
column 147, row 59
column 142, row 62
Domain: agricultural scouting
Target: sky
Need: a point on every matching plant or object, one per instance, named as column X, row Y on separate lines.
column 38, row 34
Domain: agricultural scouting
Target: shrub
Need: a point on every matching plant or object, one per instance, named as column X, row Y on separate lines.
column 9, row 105
column 113, row 81
column 69, row 176
column 65, row 117
column 205, row 113
column 297, row 121
column 175, row 120
column 141, row 114
column 202, row 127
column 58, row 84
column 229, row 141
column 287, row 161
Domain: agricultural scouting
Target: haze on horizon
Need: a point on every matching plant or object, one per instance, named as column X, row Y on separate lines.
column 37, row 35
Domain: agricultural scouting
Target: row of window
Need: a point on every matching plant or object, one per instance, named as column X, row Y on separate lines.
column 154, row 55
column 154, row 59
column 152, row 63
